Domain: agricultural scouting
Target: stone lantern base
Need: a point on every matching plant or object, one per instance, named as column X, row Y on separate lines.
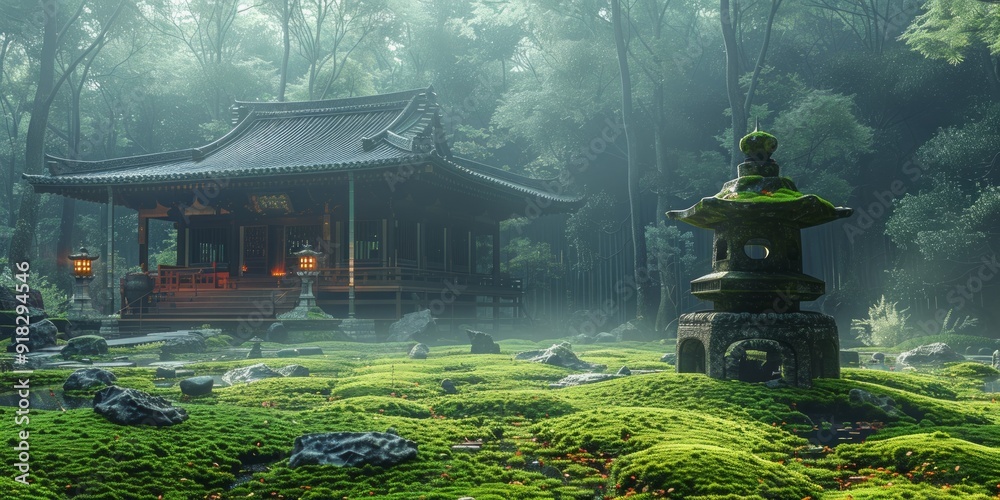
column 804, row 344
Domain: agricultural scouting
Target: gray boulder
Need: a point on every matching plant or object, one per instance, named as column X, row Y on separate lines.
column 40, row 334
column 624, row 371
column 351, row 449
column 482, row 343
column 448, row 386
column 310, row 351
column 559, row 355
column 930, row 354
column 582, row 339
column 197, row 386
column 133, row 407
column 670, row 357
column 878, row 357
column 287, row 353
column 85, row 345
column 277, row 333
column 247, row 374
column 293, row 371
column 416, row 325
column 630, row 331
column 88, row 378
column 885, row 403
column 188, row 344
column 419, row 351
column 605, row 338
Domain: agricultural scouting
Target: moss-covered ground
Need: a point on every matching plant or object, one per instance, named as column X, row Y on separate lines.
column 656, row 435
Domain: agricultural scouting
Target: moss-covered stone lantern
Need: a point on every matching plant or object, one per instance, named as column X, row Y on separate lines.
column 757, row 282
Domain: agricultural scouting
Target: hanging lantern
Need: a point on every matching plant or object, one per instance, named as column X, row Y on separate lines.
column 81, row 263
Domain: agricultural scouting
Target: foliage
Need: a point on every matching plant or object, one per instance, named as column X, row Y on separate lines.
column 533, row 261
column 55, row 300
column 884, row 326
column 960, row 343
column 948, row 28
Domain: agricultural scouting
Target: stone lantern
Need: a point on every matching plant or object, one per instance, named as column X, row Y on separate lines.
column 81, row 305
column 307, row 271
column 757, row 282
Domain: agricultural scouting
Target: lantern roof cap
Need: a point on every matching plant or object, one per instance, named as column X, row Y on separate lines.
column 83, row 254
column 256, row 339
column 307, row 251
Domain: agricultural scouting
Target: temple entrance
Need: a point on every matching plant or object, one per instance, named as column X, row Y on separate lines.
column 254, row 247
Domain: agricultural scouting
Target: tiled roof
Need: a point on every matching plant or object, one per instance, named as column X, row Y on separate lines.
column 290, row 138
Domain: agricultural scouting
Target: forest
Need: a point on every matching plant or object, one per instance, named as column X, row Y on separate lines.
column 887, row 106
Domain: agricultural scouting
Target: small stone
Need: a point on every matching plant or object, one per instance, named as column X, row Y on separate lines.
column 419, row 351
column 448, row 386
column 248, row 374
column 197, row 386
column 88, row 378
column 878, row 357
column 624, row 371
column 670, row 357
column 277, row 333
column 163, row 372
column 605, row 338
column 187, row 344
column 310, row 351
column 288, row 353
column 482, row 343
column 416, row 325
column 293, row 371
column 559, row 355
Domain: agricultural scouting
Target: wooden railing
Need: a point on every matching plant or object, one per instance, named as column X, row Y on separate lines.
column 402, row 275
column 213, row 275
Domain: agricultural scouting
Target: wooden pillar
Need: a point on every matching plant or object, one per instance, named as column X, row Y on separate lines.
column 112, row 283
column 385, row 243
column 350, row 245
column 143, row 243
column 182, row 240
column 496, row 276
column 328, row 247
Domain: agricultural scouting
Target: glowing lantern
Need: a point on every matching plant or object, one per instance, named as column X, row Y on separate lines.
column 307, row 258
column 81, row 263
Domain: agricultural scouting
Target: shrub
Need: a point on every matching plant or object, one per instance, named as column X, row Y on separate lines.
column 884, row 326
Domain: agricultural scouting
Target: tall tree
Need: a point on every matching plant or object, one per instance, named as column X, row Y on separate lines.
column 53, row 34
column 739, row 102
column 640, row 271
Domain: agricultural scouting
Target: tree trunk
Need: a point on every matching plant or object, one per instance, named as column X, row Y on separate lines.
column 34, row 157
column 640, row 269
column 736, row 102
column 286, row 15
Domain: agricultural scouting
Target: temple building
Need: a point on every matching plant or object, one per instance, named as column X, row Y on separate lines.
column 370, row 182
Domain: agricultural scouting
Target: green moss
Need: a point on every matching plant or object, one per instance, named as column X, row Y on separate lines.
column 705, row 471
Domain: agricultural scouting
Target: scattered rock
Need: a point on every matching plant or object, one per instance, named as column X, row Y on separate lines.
column 248, row 374
column 287, row 353
column 624, row 371
column 582, row 339
column 188, row 344
column 88, row 378
column 277, row 333
column 482, row 343
column 197, row 386
column 886, row 403
column 605, row 338
column 448, row 386
column 670, row 357
column 630, row 331
column 85, row 345
column 164, row 372
column 310, row 351
column 931, row 354
column 416, row 325
column 133, row 407
column 419, row 351
column 351, row 449
column 878, row 357
column 293, row 371
column 559, row 355
column 582, row 378
column 40, row 334
column 179, row 372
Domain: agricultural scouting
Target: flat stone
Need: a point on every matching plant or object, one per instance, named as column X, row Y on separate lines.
column 582, row 378
column 930, row 354
column 559, row 355
column 162, row 372
column 310, row 351
column 133, row 407
column 186, row 344
column 351, row 449
column 287, row 353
